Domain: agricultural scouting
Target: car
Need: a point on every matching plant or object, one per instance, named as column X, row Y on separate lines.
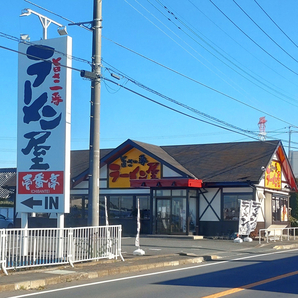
column 5, row 222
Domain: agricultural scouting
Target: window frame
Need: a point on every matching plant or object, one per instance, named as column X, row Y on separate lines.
column 239, row 196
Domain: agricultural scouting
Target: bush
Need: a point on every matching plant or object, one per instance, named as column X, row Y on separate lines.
column 293, row 221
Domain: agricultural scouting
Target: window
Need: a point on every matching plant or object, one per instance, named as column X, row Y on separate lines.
column 162, row 193
column 279, row 208
column 144, row 207
column 121, row 206
column 231, row 205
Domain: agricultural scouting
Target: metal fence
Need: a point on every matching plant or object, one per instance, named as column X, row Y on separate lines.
column 278, row 234
column 20, row 248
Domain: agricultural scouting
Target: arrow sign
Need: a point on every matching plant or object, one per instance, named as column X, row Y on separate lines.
column 30, row 202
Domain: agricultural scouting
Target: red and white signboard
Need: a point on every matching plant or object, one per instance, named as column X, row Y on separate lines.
column 43, row 154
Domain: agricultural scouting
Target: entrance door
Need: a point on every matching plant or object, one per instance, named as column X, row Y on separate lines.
column 178, row 223
column 163, row 216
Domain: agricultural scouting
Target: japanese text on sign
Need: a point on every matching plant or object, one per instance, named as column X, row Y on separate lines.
column 133, row 165
column 40, row 182
column 273, row 175
column 38, row 109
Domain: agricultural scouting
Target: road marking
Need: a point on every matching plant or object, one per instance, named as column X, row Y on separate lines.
column 249, row 286
column 149, row 274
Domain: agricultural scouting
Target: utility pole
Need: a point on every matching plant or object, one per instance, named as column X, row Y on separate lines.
column 94, row 153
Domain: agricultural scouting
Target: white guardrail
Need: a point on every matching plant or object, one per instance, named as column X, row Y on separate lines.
column 278, row 234
column 20, row 248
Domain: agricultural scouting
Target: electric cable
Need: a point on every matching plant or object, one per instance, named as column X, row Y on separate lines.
column 38, row 58
column 182, row 113
column 58, row 15
column 259, row 46
column 240, row 45
column 229, row 60
column 175, row 110
column 200, row 83
column 80, row 70
column 265, row 32
column 275, row 23
column 216, row 120
column 19, row 40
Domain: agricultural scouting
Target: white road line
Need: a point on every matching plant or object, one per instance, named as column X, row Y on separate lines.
column 150, row 274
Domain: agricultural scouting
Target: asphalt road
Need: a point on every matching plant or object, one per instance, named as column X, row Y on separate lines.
column 265, row 275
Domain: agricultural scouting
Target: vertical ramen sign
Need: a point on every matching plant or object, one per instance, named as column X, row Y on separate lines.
column 43, row 150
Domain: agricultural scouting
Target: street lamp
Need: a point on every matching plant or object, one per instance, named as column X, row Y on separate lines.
column 25, row 37
column 45, row 21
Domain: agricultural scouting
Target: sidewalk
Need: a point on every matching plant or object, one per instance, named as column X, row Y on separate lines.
column 159, row 252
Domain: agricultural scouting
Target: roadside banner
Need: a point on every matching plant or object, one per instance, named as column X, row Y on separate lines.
column 109, row 242
column 248, row 216
column 137, row 241
column 106, row 212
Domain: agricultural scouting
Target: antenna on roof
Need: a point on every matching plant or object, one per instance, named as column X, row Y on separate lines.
column 262, row 128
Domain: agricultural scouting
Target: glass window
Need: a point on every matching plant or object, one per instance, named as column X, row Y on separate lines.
column 163, row 193
column 232, row 205
column 126, row 206
column 144, row 207
column 279, row 208
column 178, row 220
column 192, row 217
column 120, row 206
column 114, row 207
column 78, row 207
column 178, row 192
column 192, row 193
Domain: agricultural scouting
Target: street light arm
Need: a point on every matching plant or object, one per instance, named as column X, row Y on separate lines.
column 45, row 21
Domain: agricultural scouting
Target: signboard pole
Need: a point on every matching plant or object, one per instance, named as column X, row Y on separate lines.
column 44, row 95
column 43, row 167
column 60, row 226
column 24, row 225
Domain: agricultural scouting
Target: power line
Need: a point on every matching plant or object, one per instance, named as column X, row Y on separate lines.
column 264, row 32
column 253, row 40
column 60, row 16
column 275, row 23
column 184, row 105
column 179, row 112
column 7, row 36
column 38, row 58
column 14, row 38
column 198, row 82
column 159, row 94
column 175, row 110
column 195, row 49
column 230, row 61
column 240, row 45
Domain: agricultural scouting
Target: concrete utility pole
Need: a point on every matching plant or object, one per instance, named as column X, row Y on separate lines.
column 94, row 157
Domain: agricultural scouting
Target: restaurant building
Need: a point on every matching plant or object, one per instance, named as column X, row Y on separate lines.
column 185, row 189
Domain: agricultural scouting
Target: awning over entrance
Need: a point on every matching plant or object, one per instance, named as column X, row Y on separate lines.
column 180, row 182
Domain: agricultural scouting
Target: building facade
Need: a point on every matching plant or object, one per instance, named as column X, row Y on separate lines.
column 185, row 189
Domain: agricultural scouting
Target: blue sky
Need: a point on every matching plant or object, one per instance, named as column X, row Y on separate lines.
column 224, row 62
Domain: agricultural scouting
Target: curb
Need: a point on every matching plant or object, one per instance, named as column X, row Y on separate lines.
column 41, row 283
column 286, row 246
